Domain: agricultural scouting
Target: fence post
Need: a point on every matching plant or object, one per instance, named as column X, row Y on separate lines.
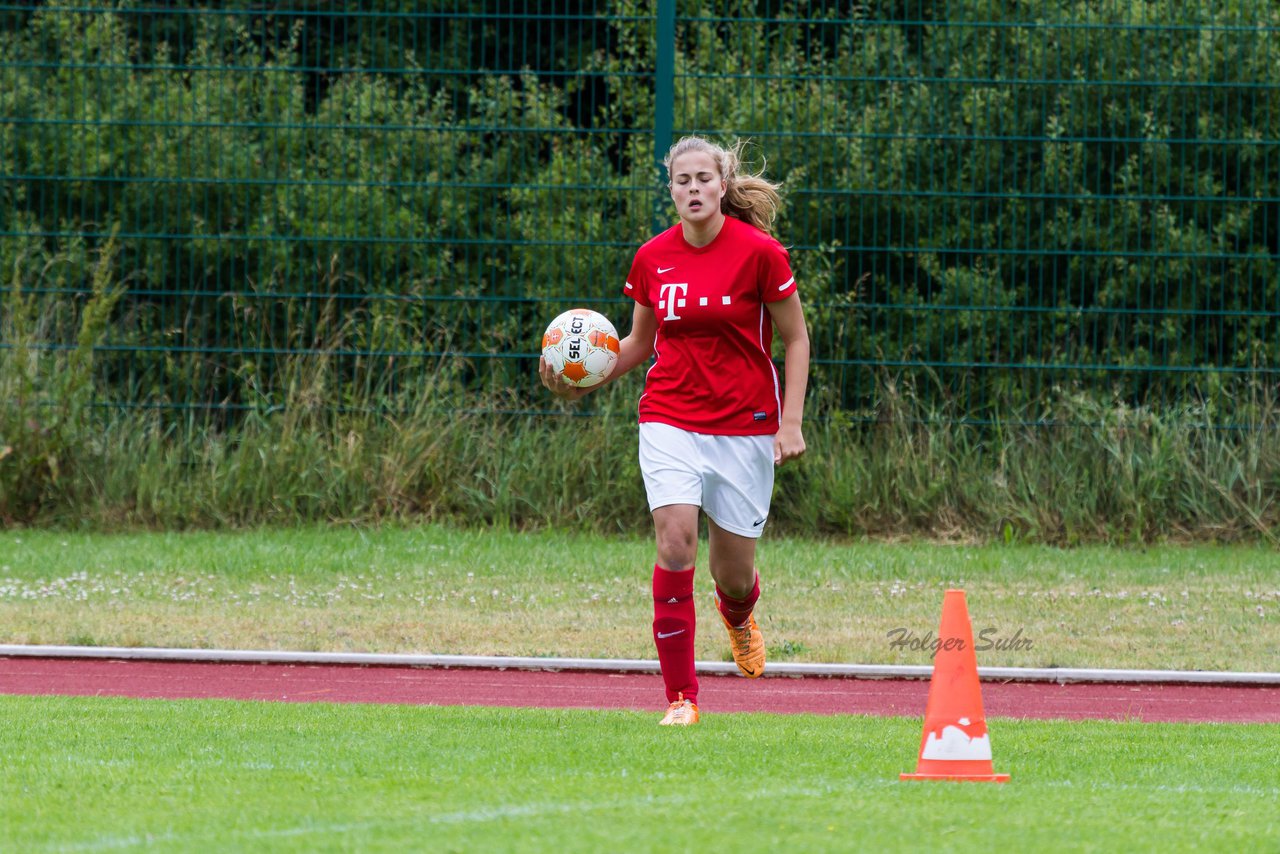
column 663, row 103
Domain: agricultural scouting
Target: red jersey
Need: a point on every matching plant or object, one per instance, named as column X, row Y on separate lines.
column 713, row 372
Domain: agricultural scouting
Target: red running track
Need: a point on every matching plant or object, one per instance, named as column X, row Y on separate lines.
column 596, row 690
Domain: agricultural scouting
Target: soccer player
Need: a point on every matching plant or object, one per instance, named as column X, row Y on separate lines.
column 708, row 293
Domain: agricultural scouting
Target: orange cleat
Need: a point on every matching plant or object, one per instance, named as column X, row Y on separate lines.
column 747, row 644
column 681, row 713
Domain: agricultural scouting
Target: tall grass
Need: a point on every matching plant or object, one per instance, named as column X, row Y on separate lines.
column 1130, row 476
column 1088, row 472
column 361, row 468
column 46, row 384
column 408, row 442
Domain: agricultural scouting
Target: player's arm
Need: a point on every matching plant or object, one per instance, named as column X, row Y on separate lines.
column 788, row 318
column 634, row 349
column 637, row 347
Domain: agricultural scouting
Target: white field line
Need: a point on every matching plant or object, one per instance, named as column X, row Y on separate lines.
column 1060, row 675
column 536, row 811
column 478, row 815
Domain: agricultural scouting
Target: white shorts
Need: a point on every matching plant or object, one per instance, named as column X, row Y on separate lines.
column 729, row 477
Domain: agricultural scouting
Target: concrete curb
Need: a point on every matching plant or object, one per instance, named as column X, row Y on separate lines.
column 1060, row 675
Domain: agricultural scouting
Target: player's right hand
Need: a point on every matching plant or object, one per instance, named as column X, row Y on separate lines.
column 557, row 384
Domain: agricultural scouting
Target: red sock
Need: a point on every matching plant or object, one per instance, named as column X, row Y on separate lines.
column 738, row 611
column 674, row 620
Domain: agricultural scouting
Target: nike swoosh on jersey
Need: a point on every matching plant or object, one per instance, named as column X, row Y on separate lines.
column 662, row 270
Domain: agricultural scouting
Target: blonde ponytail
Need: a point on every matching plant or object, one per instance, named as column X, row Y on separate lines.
column 749, row 196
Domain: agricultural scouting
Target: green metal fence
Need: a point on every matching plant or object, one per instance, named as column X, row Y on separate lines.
column 991, row 205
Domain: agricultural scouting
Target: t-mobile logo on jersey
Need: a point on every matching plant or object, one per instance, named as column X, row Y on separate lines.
column 669, row 301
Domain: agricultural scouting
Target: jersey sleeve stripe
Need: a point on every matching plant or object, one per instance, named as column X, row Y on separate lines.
column 630, row 286
column 788, row 283
column 773, row 370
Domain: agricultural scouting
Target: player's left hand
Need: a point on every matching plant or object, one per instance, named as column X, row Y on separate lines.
column 788, row 444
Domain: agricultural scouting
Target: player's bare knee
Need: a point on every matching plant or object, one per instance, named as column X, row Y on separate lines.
column 733, row 586
column 734, row 578
column 677, row 548
column 676, row 558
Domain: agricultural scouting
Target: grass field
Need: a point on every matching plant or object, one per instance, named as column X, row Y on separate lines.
column 440, row 590
column 112, row 774
column 100, row 774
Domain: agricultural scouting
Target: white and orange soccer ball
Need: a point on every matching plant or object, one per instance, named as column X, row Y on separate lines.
column 582, row 346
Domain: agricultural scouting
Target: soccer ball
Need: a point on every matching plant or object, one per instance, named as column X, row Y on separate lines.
column 582, row 346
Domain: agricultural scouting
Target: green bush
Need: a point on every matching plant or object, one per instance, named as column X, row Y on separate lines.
column 1007, row 198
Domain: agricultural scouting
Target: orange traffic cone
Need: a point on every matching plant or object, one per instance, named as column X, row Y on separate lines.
column 955, row 745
